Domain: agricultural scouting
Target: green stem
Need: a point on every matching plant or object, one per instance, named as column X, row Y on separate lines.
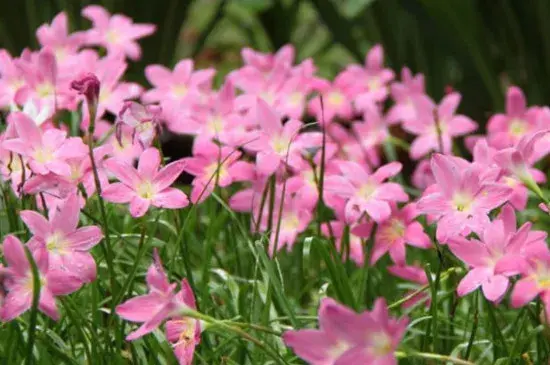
column 430, row 356
column 34, row 307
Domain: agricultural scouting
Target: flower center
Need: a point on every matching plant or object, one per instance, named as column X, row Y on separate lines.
column 338, row 349
column 296, row 98
column 280, row 145
column 336, row 98
column 146, row 190
column 215, row 124
column 290, row 222
column 43, row 155
column 393, row 230
column 462, row 202
column 381, row 343
column 367, row 190
column 45, row 89
column 179, row 91
column 112, row 37
column 517, row 127
column 57, row 244
column 187, row 327
column 542, row 275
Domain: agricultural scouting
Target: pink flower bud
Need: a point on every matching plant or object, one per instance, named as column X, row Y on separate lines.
column 87, row 85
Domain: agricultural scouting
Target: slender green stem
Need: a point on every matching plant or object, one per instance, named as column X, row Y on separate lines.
column 34, row 307
column 431, row 356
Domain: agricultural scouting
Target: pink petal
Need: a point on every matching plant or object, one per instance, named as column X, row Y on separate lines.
column 66, row 217
column 524, row 291
column 267, row 118
column 415, row 236
column 387, row 171
column 448, row 105
column 473, row 280
column 170, row 198
column 118, row 193
column 82, row 265
column 139, row 206
column 495, row 287
column 27, row 129
column 267, row 163
column 16, row 303
column 149, row 163
column 47, row 304
column 312, row 346
column 62, row 283
column 472, row 252
column 140, row 308
column 14, row 253
column 168, row 174
column 85, row 238
column 515, row 102
column 378, row 210
column 37, row 224
column 122, row 171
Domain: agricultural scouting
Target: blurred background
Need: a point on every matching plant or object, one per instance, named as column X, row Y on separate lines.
column 477, row 47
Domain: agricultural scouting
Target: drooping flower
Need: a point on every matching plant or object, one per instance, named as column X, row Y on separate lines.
column 66, row 246
column 46, row 151
column 19, row 282
column 367, row 193
column 117, row 33
column 160, row 304
column 461, row 198
column 436, row 126
column 399, row 229
column 147, row 185
column 346, row 337
column 143, row 119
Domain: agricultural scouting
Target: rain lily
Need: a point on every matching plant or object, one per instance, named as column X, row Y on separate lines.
column 147, row 185
column 346, row 337
column 46, row 151
column 367, row 193
column 436, row 126
column 56, row 36
column 399, row 229
column 371, row 133
column 19, row 282
column 461, row 199
column 143, row 119
column 158, row 305
column 11, row 81
column 406, row 94
column 117, row 33
column 66, row 246
column 505, row 130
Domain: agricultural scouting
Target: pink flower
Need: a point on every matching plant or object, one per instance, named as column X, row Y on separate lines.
column 144, row 120
column 147, row 185
column 399, row 229
column 46, row 151
column 181, row 85
column 124, row 147
column 505, row 130
column 19, row 282
column 432, row 132
column 356, row 236
column 117, row 33
column 336, row 100
column 56, row 37
column 535, row 280
column 211, row 164
column 371, row 133
column 414, row 274
column 346, row 337
column 159, row 304
column 370, row 83
column 406, row 95
column 11, row 81
column 422, row 176
column 66, row 246
column 267, row 62
column 367, row 193
column 275, row 143
column 461, row 199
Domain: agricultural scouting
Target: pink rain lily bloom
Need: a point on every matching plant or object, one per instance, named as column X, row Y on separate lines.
column 267, row 62
column 181, row 85
column 11, row 81
column 158, row 305
column 66, row 245
column 184, row 333
column 535, row 280
column 125, row 147
column 505, row 130
column 56, row 36
column 143, row 119
column 212, row 164
column 117, row 33
column 416, row 275
column 336, row 101
column 517, row 160
column 275, row 143
column 19, row 282
column 367, row 193
column 405, row 94
column 147, row 185
column 372, row 132
column 369, row 82
column 399, row 229
column 346, row 337
column 461, row 199
column 46, row 151
column 437, row 134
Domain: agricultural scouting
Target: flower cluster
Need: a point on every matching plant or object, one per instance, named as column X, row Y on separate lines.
column 250, row 138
